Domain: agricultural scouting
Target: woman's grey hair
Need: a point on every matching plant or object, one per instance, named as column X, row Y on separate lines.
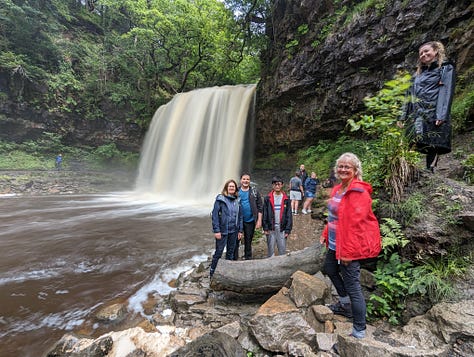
column 354, row 160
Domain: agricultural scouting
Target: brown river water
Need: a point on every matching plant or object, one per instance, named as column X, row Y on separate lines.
column 62, row 257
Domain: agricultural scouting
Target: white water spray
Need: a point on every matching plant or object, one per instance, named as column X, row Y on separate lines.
column 195, row 143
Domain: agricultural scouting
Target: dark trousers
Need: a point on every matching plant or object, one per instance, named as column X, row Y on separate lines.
column 346, row 280
column 227, row 241
column 249, row 230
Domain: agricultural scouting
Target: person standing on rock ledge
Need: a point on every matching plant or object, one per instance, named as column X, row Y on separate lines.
column 227, row 222
column 351, row 234
column 277, row 218
column 426, row 116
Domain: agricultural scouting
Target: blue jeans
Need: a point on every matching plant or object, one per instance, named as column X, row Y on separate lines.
column 346, row 280
column 227, row 241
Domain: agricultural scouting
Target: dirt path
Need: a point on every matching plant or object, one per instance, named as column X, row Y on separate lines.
column 306, row 232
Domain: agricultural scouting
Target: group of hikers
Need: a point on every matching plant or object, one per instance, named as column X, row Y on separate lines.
column 239, row 210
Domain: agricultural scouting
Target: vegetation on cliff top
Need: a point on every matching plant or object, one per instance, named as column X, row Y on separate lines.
column 124, row 56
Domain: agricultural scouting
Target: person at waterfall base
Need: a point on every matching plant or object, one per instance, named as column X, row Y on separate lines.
column 351, row 234
column 277, row 219
column 310, row 187
column 59, row 162
column 296, row 192
column 426, row 115
column 252, row 211
column 227, row 222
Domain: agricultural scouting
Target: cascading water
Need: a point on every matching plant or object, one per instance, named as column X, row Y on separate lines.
column 195, row 143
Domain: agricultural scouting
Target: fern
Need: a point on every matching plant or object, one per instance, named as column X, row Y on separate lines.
column 392, row 237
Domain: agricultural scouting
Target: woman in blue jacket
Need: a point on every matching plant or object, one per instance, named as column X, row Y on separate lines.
column 310, row 187
column 227, row 223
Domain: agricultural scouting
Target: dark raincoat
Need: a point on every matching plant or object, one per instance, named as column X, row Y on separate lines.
column 431, row 95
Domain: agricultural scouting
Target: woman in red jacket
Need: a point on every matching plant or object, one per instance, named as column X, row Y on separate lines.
column 351, row 234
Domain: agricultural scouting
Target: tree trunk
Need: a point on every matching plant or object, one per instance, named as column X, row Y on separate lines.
column 263, row 276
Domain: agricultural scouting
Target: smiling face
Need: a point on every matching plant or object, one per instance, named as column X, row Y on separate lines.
column 231, row 189
column 245, row 181
column 427, row 54
column 345, row 171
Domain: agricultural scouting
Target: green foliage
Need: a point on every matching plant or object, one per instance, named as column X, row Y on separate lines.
column 257, row 236
column 392, row 161
column 274, row 160
column 393, row 278
column 40, row 155
column 397, row 279
column 393, row 275
column 363, row 7
column 448, row 208
column 292, row 45
column 48, row 143
column 322, row 157
column 109, row 155
column 434, row 279
column 468, row 165
column 463, row 103
column 406, row 211
column 326, row 28
column 25, row 161
column 64, row 87
column 392, row 237
column 129, row 55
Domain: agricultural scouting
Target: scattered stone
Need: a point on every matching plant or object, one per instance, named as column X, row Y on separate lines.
column 112, row 313
column 307, row 290
column 212, row 344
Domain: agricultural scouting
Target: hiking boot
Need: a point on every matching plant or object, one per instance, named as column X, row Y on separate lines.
column 341, row 309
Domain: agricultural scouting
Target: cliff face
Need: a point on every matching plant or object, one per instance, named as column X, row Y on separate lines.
column 324, row 57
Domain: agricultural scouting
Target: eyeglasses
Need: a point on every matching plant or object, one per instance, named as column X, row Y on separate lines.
column 344, row 167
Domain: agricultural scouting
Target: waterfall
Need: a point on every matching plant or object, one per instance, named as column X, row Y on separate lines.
column 195, row 143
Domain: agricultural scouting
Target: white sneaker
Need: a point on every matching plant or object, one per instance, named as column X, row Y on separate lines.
column 304, row 211
column 309, row 211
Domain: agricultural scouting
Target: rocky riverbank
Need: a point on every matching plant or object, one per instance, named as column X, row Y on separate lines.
column 196, row 321
column 47, row 182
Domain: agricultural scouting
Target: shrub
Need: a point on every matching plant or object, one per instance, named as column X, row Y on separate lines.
column 392, row 161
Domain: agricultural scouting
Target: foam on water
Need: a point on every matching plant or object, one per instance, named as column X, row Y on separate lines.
column 64, row 320
column 160, row 283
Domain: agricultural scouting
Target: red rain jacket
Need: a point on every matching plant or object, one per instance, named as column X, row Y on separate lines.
column 357, row 231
